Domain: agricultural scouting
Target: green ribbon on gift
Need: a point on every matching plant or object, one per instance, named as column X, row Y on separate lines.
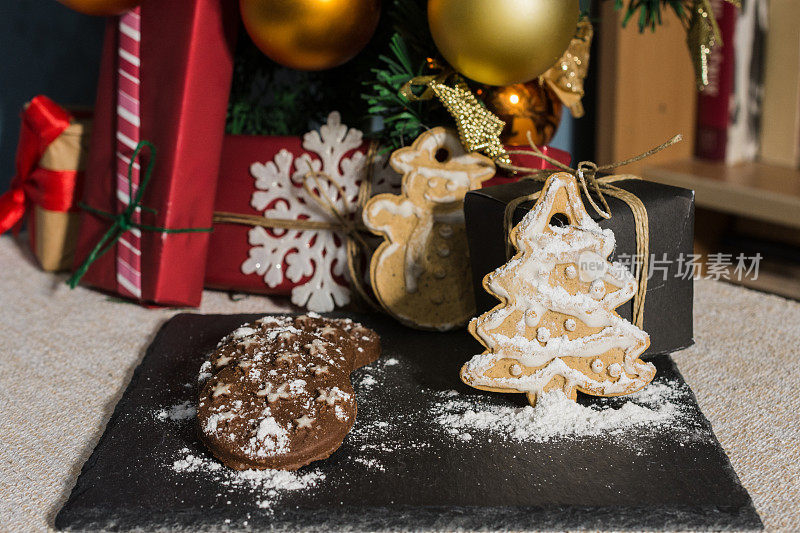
column 122, row 222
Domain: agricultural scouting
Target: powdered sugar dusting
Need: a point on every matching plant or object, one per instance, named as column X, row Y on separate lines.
column 180, row 411
column 376, row 435
column 372, row 464
column 369, row 381
column 267, row 486
column 383, row 438
column 475, row 419
column 556, row 416
column 270, row 439
column 193, row 463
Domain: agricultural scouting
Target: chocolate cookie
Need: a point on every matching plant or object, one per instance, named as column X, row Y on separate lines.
column 277, row 392
column 262, row 341
column 367, row 343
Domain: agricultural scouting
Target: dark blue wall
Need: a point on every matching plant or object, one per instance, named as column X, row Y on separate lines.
column 48, row 49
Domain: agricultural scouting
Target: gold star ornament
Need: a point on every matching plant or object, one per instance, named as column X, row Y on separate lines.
column 478, row 128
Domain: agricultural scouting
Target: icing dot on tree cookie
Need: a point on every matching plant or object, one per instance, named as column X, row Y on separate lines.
column 571, row 272
column 615, row 370
column 597, row 365
column 597, row 289
column 515, row 370
column 570, row 324
column 543, row 334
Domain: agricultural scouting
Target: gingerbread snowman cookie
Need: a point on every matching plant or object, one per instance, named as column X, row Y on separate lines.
column 421, row 272
column 556, row 327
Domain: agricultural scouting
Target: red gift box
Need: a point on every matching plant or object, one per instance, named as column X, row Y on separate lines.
column 165, row 77
column 529, row 161
column 262, row 176
column 230, row 245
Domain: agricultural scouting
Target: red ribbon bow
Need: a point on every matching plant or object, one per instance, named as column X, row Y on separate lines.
column 42, row 122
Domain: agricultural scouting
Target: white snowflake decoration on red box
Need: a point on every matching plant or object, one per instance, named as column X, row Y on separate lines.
column 319, row 255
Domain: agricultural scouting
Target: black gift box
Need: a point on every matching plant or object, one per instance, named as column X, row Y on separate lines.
column 670, row 210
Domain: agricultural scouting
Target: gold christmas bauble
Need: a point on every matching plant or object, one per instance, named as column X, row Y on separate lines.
column 310, row 34
column 524, row 107
column 502, row 42
column 101, row 7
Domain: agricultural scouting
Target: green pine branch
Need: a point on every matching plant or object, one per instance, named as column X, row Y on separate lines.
column 648, row 14
column 402, row 120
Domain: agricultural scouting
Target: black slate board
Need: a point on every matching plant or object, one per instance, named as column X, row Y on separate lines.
column 430, row 480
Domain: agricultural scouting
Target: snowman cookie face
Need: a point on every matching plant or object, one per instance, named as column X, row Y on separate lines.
column 420, row 273
column 437, row 170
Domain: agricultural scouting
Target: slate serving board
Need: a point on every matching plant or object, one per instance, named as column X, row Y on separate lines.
column 427, row 479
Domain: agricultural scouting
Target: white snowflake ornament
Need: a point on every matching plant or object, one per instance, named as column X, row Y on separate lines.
column 314, row 261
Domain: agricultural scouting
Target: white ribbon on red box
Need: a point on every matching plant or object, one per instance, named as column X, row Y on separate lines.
column 129, row 272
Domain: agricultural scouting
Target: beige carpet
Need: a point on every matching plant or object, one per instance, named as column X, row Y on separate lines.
column 66, row 357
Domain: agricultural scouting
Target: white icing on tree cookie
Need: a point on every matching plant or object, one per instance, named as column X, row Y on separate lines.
column 557, row 321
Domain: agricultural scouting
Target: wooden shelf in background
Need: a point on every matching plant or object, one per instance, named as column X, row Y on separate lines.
column 754, row 190
column 645, row 91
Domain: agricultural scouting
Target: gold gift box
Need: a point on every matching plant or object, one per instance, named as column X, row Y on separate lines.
column 53, row 234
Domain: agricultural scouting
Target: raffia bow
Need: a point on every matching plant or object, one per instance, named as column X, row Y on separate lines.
column 586, row 173
column 342, row 221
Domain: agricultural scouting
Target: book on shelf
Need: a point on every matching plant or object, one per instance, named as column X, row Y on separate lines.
column 729, row 108
column 713, row 102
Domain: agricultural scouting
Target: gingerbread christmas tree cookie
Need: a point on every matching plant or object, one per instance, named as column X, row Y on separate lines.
column 420, row 273
column 556, row 327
